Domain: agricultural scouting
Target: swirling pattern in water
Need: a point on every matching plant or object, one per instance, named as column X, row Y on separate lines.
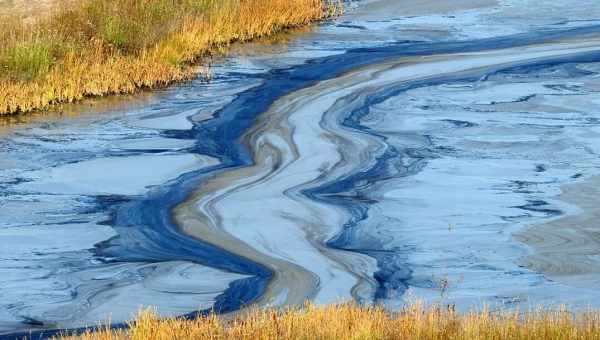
column 335, row 178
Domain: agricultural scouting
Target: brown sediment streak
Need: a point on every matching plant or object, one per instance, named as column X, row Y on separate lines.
column 274, row 149
column 199, row 219
column 568, row 249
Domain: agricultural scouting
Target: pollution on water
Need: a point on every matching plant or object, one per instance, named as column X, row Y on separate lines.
column 446, row 151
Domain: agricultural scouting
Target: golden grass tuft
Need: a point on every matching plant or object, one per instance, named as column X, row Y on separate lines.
column 103, row 47
column 350, row 321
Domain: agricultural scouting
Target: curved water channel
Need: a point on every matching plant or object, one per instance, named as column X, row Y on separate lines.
column 409, row 149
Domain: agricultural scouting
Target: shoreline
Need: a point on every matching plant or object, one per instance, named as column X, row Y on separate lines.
column 100, row 67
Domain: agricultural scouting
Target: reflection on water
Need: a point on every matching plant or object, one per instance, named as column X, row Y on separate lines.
column 87, row 107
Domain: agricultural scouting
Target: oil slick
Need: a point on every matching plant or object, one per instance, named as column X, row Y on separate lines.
column 382, row 157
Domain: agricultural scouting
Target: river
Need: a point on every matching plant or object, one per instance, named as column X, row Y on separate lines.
column 406, row 150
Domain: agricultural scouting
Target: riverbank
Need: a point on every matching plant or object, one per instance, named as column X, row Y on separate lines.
column 348, row 321
column 105, row 47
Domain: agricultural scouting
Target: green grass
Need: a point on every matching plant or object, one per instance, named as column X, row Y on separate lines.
column 29, row 59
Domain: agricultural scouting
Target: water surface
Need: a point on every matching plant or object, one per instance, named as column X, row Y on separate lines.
column 405, row 150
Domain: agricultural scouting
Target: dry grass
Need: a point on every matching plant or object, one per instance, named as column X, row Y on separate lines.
column 349, row 321
column 28, row 10
column 102, row 47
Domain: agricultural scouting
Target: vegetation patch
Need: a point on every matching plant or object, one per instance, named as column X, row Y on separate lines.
column 103, row 47
column 349, row 321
